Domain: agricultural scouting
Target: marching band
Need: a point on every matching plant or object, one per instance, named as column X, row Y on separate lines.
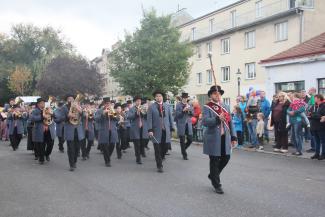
column 79, row 122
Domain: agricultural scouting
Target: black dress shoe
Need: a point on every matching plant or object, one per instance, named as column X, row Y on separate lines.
column 36, row 158
column 310, row 151
column 74, row 166
column 47, row 158
column 139, row 162
column 71, row 169
column 41, row 162
column 315, row 156
column 219, row 190
column 108, row 164
column 185, row 158
column 322, row 157
column 160, row 170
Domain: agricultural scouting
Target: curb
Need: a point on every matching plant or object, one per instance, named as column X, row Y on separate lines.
column 199, row 144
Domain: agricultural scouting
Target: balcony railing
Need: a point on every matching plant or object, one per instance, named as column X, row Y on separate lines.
column 242, row 19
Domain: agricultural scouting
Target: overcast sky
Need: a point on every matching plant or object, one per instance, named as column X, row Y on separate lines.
column 91, row 25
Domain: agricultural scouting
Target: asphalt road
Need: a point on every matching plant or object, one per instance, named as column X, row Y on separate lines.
column 255, row 184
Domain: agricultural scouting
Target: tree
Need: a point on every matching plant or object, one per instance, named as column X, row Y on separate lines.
column 69, row 75
column 151, row 58
column 32, row 47
column 20, row 79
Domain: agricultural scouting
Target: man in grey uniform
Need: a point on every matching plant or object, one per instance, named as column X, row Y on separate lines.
column 160, row 126
column 219, row 137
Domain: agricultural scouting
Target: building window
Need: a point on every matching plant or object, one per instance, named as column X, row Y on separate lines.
column 250, row 39
column 209, row 77
column 225, row 46
column 292, row 86
column 199, row 78
column 193, row 33
column 211, row 21
column 209, row 47
column 233, row 18
column 225, row 74
column 258, row 9
column 321, row 86
column 226, row 101
column 198, row 51
column 250, row 70
column 281, row 31
column 305, row 3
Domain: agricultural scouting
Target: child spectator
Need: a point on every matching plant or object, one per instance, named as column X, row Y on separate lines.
column 238, row 123
column 296, row 105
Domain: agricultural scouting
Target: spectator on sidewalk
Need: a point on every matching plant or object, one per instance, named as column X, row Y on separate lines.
column 296, row 113
column 260, row 130
column 238, row 123
column 305, row 98
column 279, row 121
column 266, row 110
column 242, row 106
column 252, row 109
column 311, row 103
column 318, row 127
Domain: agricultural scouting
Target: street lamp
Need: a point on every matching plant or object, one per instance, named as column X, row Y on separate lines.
column 238, row 80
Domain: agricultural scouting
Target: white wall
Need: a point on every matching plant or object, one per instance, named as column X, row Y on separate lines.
column 309, row 72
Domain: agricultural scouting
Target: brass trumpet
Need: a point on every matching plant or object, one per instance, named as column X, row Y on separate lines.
column 142, row 109
column 110, row 111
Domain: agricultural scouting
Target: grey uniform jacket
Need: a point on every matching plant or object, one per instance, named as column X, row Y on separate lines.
column 13, row 122
column 90, row 129
column 212, row 133
column 38, row 129
column 155, row 122
column 105, row 123
column 135, row 124
column 183, row 118
column 69, row 128
column 59, row 120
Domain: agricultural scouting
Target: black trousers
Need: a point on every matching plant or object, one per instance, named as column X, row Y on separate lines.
column 61, row 140
column 73, row 149
column 108, row 149
column 240, row 137
column 15, row 139
column 160, row 150
column 189, row 139
column 139, row 146
column 123, row 138
column 30, row 144
column 86, row 145
column 217, row 164
column 44, row 148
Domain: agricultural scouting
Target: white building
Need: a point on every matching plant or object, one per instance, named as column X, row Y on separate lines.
column 111, row 88
column 298, row 68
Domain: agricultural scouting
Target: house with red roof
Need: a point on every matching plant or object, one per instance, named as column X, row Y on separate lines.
column 298, row 68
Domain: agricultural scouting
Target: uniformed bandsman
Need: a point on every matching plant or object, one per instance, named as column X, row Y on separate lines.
column 184, row 113
column 160, row 127
column 219, row 137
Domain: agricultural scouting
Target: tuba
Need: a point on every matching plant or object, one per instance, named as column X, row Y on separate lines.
column 75, row 119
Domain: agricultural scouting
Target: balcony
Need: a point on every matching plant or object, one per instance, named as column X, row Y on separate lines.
column 240, row 20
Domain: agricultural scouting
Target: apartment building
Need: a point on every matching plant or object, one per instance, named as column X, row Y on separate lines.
column 239, row 35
